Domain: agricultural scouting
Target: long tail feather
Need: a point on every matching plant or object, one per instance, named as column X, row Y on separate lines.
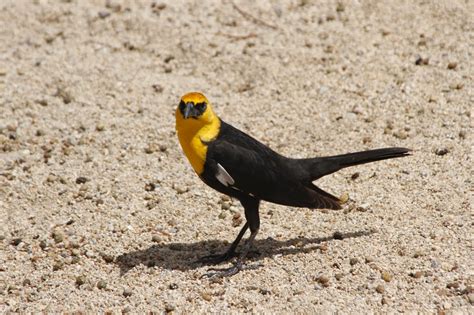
column 319, row 167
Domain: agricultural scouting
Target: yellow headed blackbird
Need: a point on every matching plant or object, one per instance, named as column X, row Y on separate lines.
column 241, row 167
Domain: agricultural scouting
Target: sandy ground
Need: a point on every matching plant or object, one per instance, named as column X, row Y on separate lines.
column 100, row 211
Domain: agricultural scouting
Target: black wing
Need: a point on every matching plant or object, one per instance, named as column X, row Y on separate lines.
column 238, row 164
column 252, row 172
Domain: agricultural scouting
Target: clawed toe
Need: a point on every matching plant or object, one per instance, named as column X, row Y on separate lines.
column 214, row 273
column 216, row 259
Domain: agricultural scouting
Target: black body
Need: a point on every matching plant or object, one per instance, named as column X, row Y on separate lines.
column 259, row 173
column 264, row 174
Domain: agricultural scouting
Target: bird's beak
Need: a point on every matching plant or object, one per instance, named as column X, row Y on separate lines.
column 188, row 110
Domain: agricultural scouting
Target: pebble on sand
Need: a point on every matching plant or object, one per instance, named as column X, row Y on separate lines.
column 386, row 276
column 422, row 61
column 127, row 292
column 441, row 151
column 101, row 284
column 323, row 280
column 452, row 65
column 380, row 289
column 80, row 280
column 81, row 180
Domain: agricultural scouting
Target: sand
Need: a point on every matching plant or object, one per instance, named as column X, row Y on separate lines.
column 100, row 210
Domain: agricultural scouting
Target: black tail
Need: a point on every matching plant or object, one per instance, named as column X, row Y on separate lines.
column 321, row 166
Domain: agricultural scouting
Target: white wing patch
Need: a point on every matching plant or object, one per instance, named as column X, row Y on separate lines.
column 223, row 176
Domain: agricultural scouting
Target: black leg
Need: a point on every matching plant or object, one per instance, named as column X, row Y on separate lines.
column 253, row 220
column 229, row 254
column 251, row 206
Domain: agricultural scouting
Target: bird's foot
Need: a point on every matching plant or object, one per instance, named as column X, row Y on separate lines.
column 215, row 273
column 217, row 259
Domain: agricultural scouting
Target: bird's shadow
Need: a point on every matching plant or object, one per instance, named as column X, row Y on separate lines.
column 184, row 256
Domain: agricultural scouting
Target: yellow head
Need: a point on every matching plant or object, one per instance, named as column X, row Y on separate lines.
column 194, row 111
column 196, row 124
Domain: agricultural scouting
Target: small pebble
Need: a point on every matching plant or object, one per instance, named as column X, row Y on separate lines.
column 151, row 148
column 104, row 14
column 150, row 187
column 101, row 284
column 173, row 286
column 127, row 292
column 158, row 6
column 113, row 5
column 156, row 239
column 417, row 274
column 418, row 254
column 81, row 180
column 344, row 198
column 206, row 296
column 441, row 151
column 157, row 88
column 16, row 241
column 80, row 280
column 361, row 208
column 452, row 285
column 353, row 261
column 152, row 204
column 338, row 235
column 452, row 65
column 456, row 86
column 107, row 257
column 380, row 289
column 400, row 134
column 386, row 276
column 470, row 298
column 180, row 189
column 100, row 127
column 43, row 244
column 338, row 276
column 58, row 236
column 64, row 95
column 26, row 282
column 168, row 58
column 225, row 205
column 323, row 280
column 420, row 61
column 169, row 307
column 236, row 219
column 226, row 198
column 58, row 266
column 42, row 102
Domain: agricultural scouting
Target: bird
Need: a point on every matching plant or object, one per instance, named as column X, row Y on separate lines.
column 236, row 164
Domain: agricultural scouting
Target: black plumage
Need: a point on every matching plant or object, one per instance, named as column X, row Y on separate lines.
column 259, row 173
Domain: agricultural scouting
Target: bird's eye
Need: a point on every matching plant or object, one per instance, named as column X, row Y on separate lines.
column 182, row 105
column 201, row 107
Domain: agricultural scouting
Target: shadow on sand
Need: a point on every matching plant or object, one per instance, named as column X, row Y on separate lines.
column 183, row 256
